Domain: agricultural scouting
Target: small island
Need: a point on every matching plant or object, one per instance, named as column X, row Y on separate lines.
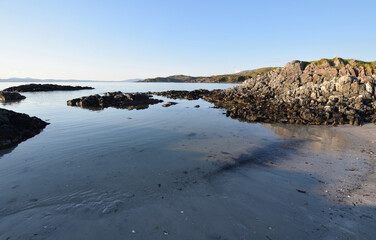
column 128, row 101
column 44, row 88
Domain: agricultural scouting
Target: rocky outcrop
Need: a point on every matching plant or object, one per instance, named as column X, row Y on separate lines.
column 306, row 105
column 44, row 88
column 17, row 127
column 115, row 99
column 299, row 73
column 340, row 100
column 10, row 96
column 320, row 92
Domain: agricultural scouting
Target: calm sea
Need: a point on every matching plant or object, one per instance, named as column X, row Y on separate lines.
column 86, row 162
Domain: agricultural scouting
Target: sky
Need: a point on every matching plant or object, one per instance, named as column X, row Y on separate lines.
column 119, row 40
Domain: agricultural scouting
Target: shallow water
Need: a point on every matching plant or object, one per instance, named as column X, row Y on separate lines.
column 90, row 159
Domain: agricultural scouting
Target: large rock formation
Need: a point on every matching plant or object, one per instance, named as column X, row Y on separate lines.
column 307, row 94
column 340, row 101
column 299, row 73
column 17, row 127
column 10, row 96
column 44, row 88
column 115, row 99
column 323, row 92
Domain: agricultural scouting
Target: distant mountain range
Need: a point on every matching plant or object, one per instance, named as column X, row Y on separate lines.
column 59, row 80
column 227, row 78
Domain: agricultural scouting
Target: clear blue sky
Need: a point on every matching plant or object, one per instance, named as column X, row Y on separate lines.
column 117, row 40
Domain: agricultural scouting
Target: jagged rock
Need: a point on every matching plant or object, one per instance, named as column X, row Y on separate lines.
column 10, row 96
column 17, row 127
column 44, row 88
column 329, row 92
column 115, row 99
column 340, row 100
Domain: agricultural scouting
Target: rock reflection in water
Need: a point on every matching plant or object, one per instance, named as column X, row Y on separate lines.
column 322, row 137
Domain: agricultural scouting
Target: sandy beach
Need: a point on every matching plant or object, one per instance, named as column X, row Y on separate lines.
column 319, row 185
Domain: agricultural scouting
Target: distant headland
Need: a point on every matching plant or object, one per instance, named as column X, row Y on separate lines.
column 335, row 67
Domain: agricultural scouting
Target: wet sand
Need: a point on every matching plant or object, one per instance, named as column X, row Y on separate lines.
column 317, row 183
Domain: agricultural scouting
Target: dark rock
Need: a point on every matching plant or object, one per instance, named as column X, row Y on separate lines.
column 44, row 88
column 342, row 100
column 197, row 106
column 10, row 96
column 17, row 127
column 115, row 99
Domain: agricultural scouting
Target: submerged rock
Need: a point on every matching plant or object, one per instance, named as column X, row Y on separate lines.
column 115, row 99
column 44, row 88
column 167, row 104
column 17, row 127
column 175, row 94
column 10, row 96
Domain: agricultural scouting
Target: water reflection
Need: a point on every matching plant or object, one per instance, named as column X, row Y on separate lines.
column 129, row 108
column 10, row 103
column 322, row 138
column 6, row 151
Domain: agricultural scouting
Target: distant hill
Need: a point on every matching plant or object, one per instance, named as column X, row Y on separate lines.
column 227, row 78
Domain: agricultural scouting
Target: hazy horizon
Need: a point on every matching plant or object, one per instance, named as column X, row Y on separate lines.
column 28, row 79
column 120, row 40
